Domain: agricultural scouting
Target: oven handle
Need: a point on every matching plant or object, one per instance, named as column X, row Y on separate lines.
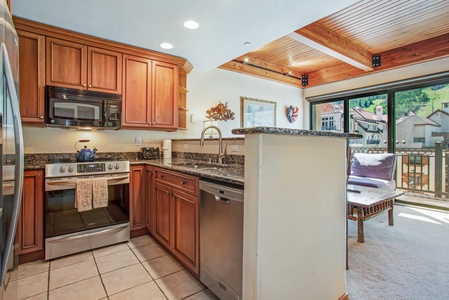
column 77, row 237
column 71, row 184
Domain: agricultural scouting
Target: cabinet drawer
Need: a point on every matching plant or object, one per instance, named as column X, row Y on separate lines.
column 182, row 182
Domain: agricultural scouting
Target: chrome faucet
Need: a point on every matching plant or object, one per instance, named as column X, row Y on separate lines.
column 220, row 142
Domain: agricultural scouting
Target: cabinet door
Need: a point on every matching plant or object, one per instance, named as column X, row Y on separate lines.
column 66, row 64
column 162, row 212
column 186, row 229
column 32, row 77
column 164, row 110
column 136, row 92
column 150, row 199
column 30, row 231
column 104, row 70
column 137, row 197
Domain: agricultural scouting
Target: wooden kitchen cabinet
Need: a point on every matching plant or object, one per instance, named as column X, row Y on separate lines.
column 74, row 65
column 149, row 199
column 30, row 231
column 137, row 197
column 177, row 215
column 150, row 94
column 32, row 77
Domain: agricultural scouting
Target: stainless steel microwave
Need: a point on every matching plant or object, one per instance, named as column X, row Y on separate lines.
column 82, row 109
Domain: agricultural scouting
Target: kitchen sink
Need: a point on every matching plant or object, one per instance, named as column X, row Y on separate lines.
column 200, row 165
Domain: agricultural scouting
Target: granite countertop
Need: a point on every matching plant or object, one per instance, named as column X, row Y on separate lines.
column 232, row 173
column 299, row 132
column 224, row 172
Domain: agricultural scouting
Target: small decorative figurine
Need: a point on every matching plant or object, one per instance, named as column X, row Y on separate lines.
column 292, row 113
column 221, row 112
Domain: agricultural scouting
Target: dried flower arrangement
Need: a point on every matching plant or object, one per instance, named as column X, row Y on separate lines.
column 221, row 112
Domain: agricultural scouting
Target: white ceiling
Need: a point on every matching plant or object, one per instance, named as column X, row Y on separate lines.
column 225, row 25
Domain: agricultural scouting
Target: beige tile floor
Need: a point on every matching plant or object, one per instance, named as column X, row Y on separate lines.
column 140, row 269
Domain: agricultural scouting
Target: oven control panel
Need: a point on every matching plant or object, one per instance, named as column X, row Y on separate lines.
column 91, row 168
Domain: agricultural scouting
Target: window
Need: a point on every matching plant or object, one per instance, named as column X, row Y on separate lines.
column 419, row 140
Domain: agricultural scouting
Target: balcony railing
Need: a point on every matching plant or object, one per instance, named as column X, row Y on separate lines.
column 419, row 170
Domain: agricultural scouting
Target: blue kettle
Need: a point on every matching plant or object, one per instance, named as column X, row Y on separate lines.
column 85, row 154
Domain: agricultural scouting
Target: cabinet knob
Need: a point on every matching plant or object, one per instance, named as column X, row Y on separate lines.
column 160, row 176
column 90, row 85
column 183, row 182
column 41, row 117
column 84, row 85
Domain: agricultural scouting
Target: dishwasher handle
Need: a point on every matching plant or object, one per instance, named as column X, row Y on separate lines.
column 221, row 199
column 222, row 192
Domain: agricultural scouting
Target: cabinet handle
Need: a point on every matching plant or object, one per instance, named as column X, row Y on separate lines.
column 160, row 176
column 41, row 117
column 183, row 182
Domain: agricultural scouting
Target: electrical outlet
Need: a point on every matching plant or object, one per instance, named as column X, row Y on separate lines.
column 234, row 148
column 138, row 141
column 185, row 146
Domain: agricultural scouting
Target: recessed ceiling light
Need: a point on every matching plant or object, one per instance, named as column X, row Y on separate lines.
column 190, row 24
column 245, row 60
column 247, row 43
column 166, row 45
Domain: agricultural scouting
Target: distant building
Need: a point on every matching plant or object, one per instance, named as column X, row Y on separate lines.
column 373, row 126
column 413, row 131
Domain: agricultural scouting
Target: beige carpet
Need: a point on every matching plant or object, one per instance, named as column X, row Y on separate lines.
column 409, row 260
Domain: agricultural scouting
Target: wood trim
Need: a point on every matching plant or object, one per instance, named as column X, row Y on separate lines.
column 430, row 49
column 344, row 297
column 327, row 41
column 32, row 256
column 265, row 74
column 68, row 35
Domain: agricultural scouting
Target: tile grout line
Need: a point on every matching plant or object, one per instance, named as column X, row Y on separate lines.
column 154, row 280
column 101, row 278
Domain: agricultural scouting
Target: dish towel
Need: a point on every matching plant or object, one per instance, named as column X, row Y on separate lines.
column 100, row 192
column 83, row 194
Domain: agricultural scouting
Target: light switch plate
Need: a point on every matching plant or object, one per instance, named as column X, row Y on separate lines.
column 138, row 141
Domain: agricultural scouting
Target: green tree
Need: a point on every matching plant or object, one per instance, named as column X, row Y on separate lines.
column 409, row 101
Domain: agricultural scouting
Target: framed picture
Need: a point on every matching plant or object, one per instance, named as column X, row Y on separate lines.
column 255, row 112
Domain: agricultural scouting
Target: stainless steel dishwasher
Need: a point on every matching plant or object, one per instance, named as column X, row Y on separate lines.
column 221, row 238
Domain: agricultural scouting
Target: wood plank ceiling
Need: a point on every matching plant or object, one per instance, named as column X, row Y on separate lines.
column 341, row 46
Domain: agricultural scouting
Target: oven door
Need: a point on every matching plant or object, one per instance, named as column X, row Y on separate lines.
column 69, row 231
column 61, row 216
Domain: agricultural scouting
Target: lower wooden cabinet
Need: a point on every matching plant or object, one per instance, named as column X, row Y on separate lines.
column 176, row 214
column 137, row 197
column 149, row 220
column 166, row 204
column 30, row 232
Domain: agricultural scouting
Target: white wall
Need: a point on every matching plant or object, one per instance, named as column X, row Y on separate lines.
column 426, row 68
column 205, row 90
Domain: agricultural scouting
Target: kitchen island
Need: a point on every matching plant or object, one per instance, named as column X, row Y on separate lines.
column 294, row 212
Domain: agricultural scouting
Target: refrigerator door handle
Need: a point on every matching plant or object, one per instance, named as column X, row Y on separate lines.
column 18, row 136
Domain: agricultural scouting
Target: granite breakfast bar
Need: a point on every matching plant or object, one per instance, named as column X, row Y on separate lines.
column 294, row 212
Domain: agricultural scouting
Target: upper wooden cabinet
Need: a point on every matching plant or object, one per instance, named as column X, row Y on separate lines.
column 32, row 77
column 150, row 94
column 75, row 65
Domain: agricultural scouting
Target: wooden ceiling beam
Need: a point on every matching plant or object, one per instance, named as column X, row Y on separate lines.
column 430, row 49
column 239, row 67
column 327, row 41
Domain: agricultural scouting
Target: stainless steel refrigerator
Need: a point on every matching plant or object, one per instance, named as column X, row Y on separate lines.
column 11, row 150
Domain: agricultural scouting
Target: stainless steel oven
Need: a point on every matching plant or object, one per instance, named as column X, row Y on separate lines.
column 69, row 231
